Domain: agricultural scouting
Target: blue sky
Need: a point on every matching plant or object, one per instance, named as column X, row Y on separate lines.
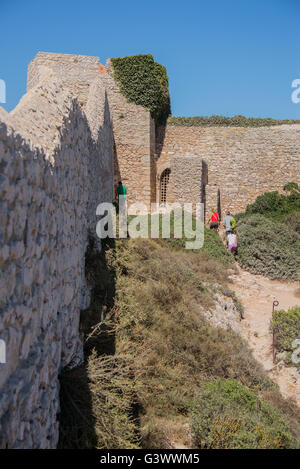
column 223, row 57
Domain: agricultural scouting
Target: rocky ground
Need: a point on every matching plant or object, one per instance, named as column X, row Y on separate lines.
column 225, row 314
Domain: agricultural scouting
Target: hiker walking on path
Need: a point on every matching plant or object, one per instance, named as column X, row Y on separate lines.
column 232, row 242
column 214, row 220
column 229, row 223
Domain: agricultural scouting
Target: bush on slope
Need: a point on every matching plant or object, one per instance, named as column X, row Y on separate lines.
column 267, row 247
column 213, row 245
column 227, row 414
column 286, row 327
column 275, row 205
column 293, row 221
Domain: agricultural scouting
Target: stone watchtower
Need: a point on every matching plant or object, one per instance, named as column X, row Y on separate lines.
column 133, row 127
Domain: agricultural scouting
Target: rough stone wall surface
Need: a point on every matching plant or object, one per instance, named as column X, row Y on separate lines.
column 133, row 127
column 212, row 196
column 55, row 167
column 75, row 72
column 185, row 180
column 242, row 162
column 134, row 138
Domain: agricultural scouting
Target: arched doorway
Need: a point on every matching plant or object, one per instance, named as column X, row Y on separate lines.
column 164, row 181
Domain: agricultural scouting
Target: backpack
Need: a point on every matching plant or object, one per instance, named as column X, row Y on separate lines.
column 233, row 223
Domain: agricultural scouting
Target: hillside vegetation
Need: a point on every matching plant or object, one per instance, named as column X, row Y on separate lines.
column 145, row 82
column 227, row 414
column 286, row 327
column 151, row 357
column 269, row 235
column 235, row 121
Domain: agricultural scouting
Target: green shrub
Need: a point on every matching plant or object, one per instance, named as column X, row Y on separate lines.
column 293, row 221
column 286, row 328
column 267, row 202
column 268, row 248
column 227, row 414
column 275, row 205
column 144, row 82
column 269, row 229
column 215, row 248
column 291, row 186
column 236, row 121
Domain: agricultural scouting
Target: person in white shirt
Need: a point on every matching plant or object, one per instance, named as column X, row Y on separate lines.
column 232, row 241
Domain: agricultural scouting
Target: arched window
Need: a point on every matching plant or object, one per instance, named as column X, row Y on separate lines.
column 164, row 181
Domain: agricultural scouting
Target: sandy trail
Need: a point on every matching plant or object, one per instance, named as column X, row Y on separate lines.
column 257, row 294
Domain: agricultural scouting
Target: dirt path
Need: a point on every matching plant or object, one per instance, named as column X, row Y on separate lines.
column 257, row 294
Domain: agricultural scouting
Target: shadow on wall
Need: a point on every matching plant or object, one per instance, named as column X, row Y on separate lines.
column 219, row 205
column 58, row 211
column 79, row 407
column 117, row 172
column 160, row 132
column 204, row 182
column 77, row 418
column 96, row 189
column 106, row 144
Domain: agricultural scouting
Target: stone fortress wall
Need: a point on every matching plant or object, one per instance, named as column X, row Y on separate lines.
column 62, row 150
column 238, row 163
column 56, row 167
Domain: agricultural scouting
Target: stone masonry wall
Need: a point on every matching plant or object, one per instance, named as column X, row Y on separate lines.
column 185, row 180
column 134, row 138
column 74, row 72
column 241, row 162
column 56, row 166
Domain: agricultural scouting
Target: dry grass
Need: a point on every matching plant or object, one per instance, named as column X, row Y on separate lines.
column 98, row 399
column 148, row 348
column 98, row 405
column 160, row 432
column 159, row 292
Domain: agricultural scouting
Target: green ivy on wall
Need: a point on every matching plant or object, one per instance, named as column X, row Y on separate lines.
column 236, row 121
column 145, row 82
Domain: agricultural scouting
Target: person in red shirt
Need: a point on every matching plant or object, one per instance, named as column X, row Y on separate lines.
column 214, row 220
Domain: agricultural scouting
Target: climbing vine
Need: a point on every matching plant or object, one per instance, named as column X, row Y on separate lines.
column 144, row 81
column 235, row 121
